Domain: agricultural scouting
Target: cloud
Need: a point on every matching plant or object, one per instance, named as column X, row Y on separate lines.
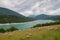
column 26, row 13
column 6, row 3
column 50, row 7
column 32, row 7
column 11, row 4
column 54, row 12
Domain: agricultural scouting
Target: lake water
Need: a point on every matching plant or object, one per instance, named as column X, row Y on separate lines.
column 26, row 24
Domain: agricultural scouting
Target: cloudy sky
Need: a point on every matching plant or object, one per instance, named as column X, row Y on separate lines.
column 33, row 7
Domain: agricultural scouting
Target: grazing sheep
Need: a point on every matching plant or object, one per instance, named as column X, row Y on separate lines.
column 32, row 28
column 28, row 35
column 56, row 28
column 39, row 28
column 10, row 34
column 20, row 30
column 14, row 31
column 50, row 28
column 6, row 33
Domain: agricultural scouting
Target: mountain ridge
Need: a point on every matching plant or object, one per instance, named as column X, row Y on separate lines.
column 48, row 17
column 11, row 16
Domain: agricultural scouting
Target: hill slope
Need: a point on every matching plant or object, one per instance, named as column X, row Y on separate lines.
column 44, row 33
column 7, row 15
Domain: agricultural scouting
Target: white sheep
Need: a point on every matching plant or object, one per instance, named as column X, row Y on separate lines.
column 28, row 35
column 50, row 28
column 39, row 28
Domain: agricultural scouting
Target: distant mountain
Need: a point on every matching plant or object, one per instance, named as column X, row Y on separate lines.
column 32, row 16
column 56, row 17
column 49, row 17
column 7, row 15
column 42, row 16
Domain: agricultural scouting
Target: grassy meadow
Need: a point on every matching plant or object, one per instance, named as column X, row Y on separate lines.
column 38, row 33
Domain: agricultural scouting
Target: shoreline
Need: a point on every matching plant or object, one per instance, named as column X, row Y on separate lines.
column 16, row 23
column 13, row 23
column 9, row 24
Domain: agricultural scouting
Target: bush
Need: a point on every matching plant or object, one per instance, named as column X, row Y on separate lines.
column 2, row 30
column 47, row 24
column 12, row 29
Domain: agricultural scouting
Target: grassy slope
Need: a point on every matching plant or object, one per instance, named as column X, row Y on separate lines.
column 44, row 33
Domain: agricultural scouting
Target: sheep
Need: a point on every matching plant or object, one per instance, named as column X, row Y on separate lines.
column 20, row 30
column 28, row 35
column 39, row 28
column 6, row 33
column 51, row 28
column 56, row 28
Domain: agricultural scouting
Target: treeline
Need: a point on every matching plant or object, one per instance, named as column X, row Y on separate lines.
column 2, row 30
column 47, row 24
column 13, row 19
column 56, row 17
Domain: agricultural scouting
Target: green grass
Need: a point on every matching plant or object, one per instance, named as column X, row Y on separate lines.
column 44, row 33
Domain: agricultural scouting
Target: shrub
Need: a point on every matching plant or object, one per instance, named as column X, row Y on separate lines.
column 47, row 24
column 12, row 29
column 2, row 30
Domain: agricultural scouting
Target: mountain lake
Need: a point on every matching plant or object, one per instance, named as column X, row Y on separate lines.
column 26, row 25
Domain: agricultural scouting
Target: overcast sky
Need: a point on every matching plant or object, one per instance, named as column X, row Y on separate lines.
column 33, row 7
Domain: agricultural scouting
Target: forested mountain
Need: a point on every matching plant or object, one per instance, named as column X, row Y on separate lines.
column 42, row 16
column 7, row 15
column 48, row 17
